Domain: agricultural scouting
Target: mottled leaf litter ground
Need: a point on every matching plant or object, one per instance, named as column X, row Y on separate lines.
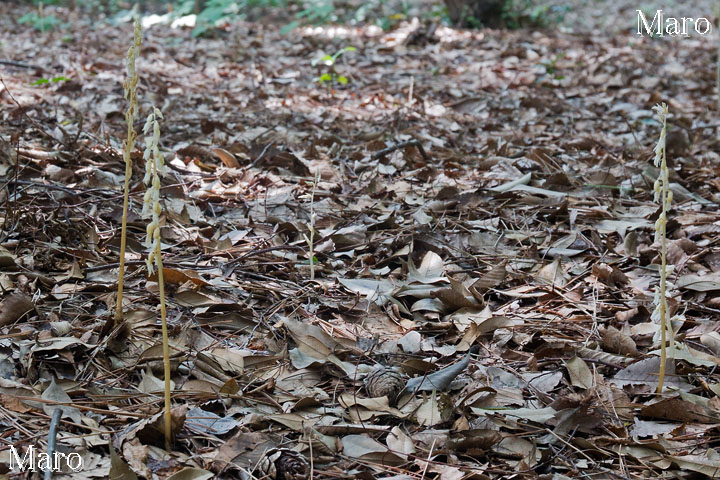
column 483, row 216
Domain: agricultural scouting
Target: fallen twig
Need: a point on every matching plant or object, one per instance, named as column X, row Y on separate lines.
column 14, row 63
column 52, row 440
column 410, row 143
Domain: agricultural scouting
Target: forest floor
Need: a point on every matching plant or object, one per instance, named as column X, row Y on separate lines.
column 482, row 222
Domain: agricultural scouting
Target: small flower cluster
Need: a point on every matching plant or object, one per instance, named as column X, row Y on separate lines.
column 130, row 87
column 154, row 169
column 662, row 184
column 311, row 226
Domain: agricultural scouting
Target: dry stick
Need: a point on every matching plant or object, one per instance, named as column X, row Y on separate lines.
column 410, row 143
column 52, row 439
column 312, row 463
column 85, row 408
column 14, row 63
column 131, row 94
column 427, row 462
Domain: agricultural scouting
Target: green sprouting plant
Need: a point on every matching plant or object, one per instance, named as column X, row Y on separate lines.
column 382, row 13
column 551, row 65
column 519, row 13
column 663, row 194
column 215, row 11
column 211, row 13
column 154, row 169
column 363, row 10
column 315, row 12
column 44, row 81
column 331, row 75
column 130, row 87
column 39, row 21
column 310, row 240
column 438, row 12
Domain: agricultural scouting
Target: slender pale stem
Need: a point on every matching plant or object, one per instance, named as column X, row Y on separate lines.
column 166, row 349
column 311, row 240
column 665, row 198
column 663, row 301
column 311, row 245
column 123, row 233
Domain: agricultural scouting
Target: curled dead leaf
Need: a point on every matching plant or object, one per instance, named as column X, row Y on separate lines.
column 493, row 278
column 227, row 158
column 150, row 431
column 553, row 274
column 635, row 315
column 609, row 275
column 456, row 296
column 473, row 442
column 614, row 341
column 677, row 256
column 14, row 307
column 178, row 277
column 195, row 152
column 712, row 341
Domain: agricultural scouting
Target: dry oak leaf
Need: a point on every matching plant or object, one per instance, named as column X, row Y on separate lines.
column 614, row 341
column 14, row 307
column 609, row 275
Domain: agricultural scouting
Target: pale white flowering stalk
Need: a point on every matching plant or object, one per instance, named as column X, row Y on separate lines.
column 154, row 169
column 130, row 87
column 664, row 196
column 311, row 239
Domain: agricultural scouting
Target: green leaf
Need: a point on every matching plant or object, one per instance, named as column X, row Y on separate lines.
column 340, row 52
column 40, row 81
column 199, row 30
column 325, row 77
column 211, row 15
column 28, row 17
column 342, row 80
column 304, row 13
column 59, row 79
column 289, row 27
